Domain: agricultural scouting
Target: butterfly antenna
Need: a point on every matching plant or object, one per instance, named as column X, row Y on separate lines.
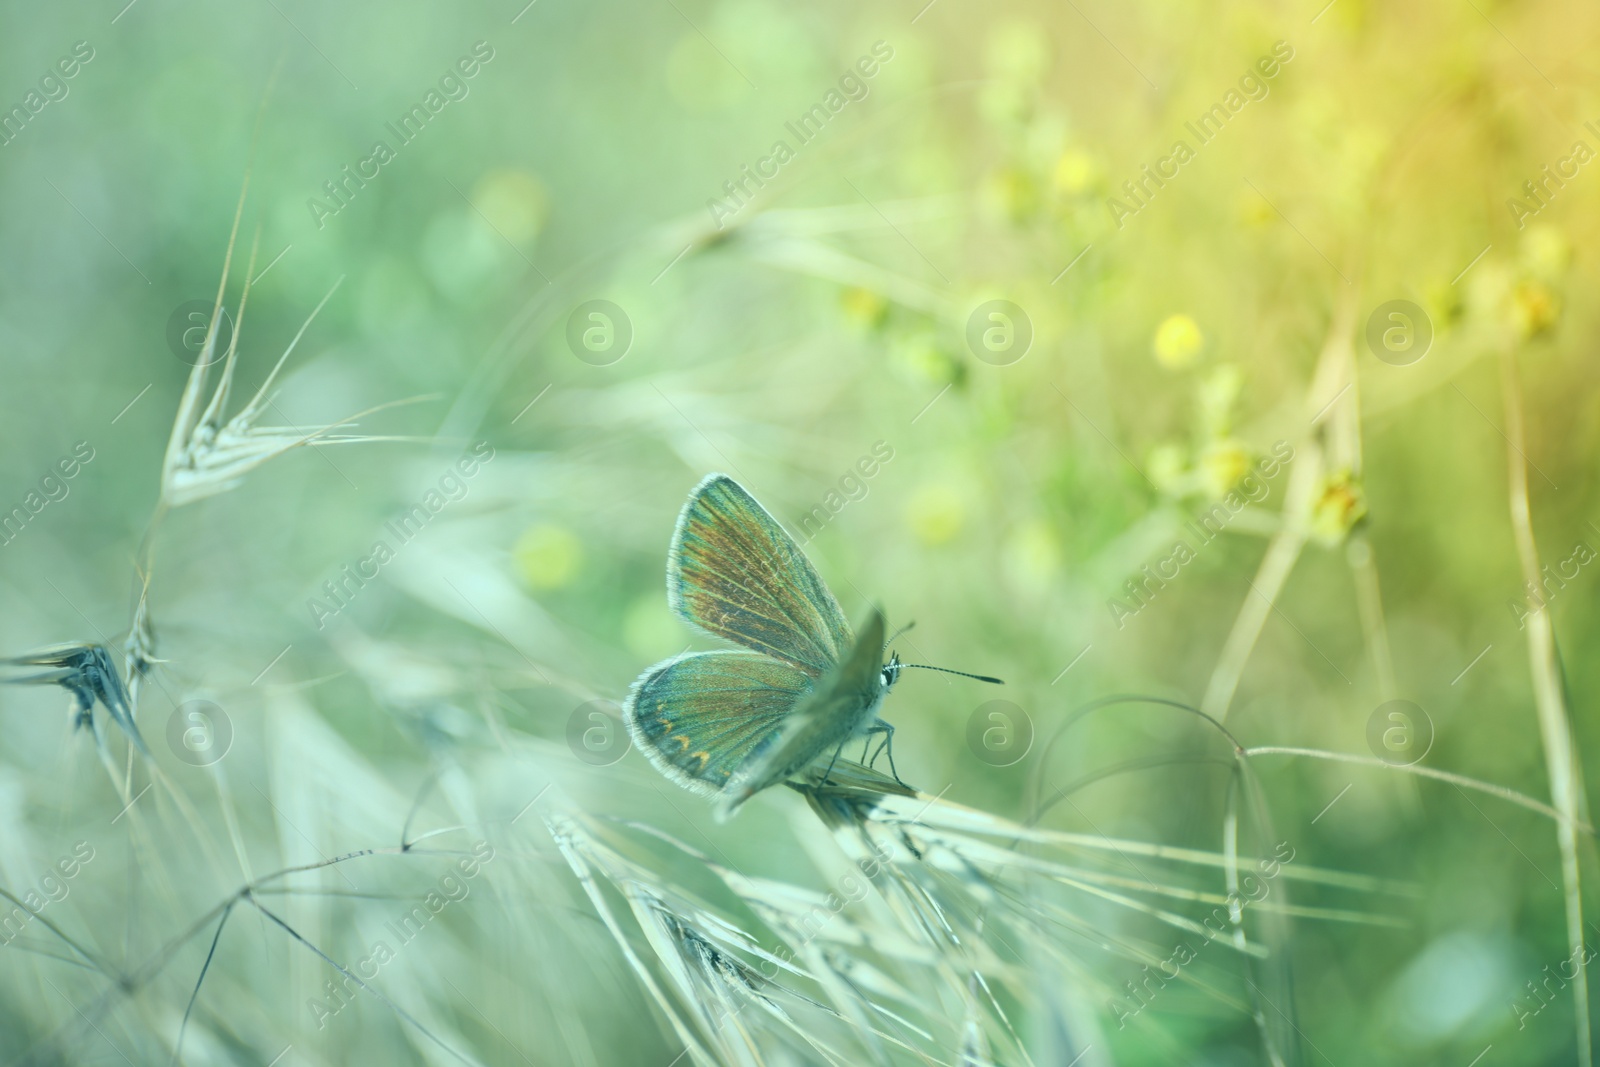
column 947, row 670
column 898, row 632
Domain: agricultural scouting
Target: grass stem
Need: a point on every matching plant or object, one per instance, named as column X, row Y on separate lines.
column 1555, row 728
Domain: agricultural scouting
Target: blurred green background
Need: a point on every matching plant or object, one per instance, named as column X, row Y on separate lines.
column 1176, row 338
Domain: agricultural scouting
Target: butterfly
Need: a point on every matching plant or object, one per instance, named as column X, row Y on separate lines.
column 730, row 723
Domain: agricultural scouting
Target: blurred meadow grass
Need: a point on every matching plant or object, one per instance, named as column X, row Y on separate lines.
column 1016, row 912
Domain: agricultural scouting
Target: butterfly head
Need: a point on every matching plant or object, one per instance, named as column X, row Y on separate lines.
column 891, row 671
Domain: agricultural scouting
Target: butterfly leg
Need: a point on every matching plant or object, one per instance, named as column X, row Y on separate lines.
column 879, row 750
column 885, row 746
column 831, row 762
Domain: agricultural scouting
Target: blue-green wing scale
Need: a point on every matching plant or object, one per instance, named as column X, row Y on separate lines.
column 734, row 572
column 700, row 715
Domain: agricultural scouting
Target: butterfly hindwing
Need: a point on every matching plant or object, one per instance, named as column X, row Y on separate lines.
column 735, row 573
column 700, row 715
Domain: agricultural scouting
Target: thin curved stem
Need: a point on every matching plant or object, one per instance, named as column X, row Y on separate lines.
column 1555, row 726
column 1500, row 791
column 1335, row 376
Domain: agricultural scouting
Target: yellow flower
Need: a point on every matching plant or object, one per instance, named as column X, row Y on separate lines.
column 1178, row 342
column 1534, row 308
column 921, row 357
column 548, row 556
column 1545, row 251
column 514, row 202
column 1253, row 211
column 1013, row 194
column 1075, row 173
column 1221, row 466
column 1339, row 505
column 864, row 307
column 936, row 514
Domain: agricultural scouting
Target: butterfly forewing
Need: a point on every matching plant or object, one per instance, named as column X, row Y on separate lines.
column 735, row 573
column 699, row 716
